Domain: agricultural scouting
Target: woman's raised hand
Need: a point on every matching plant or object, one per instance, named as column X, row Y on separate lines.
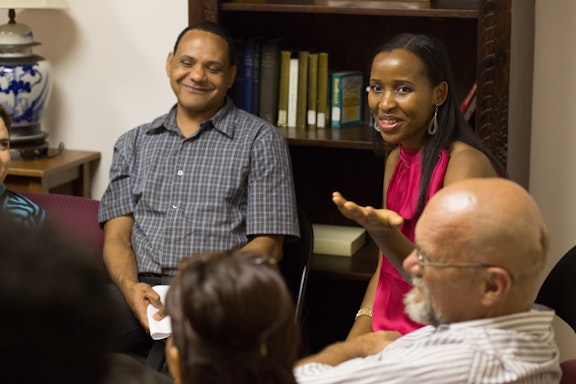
column 372, row 219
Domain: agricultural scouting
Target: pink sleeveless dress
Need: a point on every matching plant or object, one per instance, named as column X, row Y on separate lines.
column 402, row 197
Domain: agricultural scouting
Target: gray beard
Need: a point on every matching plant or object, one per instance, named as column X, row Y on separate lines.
column 418, row 305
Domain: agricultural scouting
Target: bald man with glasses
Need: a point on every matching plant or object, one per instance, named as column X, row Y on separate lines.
column 481, row 248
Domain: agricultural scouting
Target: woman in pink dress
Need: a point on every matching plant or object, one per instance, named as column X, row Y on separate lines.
column 412, row 100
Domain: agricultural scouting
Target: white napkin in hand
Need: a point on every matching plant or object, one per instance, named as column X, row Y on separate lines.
column 159, row 329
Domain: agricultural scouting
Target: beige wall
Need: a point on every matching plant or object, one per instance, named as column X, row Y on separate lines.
column 553, row 164
column 108, row 58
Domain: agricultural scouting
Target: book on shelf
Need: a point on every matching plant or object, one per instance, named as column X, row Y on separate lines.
column 293, row 91
column 269, row 80
column 470, row 110
column 468, row 105
column 322, row 110
column 465, row 104
column 302, row 92
column 256, row 62
column 312, row 99
column 251, row 75
column 237, row 90
column 347, row 98
column 283, row 88
column 338, row 240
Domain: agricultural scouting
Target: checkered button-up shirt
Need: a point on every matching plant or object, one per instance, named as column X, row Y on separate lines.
column 208, row 192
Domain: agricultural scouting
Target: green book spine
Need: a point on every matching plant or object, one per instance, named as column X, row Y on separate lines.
column 322, row 116
column 312, row 90
column 347, row 98
column 283, row 90
column 302, row 94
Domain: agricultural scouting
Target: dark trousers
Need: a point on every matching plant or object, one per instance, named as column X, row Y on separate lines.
column 131, row 338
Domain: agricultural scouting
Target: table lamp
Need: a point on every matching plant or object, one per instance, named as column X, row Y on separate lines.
column 25, row 79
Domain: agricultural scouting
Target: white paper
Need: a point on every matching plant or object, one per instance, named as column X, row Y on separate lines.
column 159, row 329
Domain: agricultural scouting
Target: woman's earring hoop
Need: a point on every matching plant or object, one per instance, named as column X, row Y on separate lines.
column 433, row 125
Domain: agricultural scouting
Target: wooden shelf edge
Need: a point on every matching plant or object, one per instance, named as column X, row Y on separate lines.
column 374, row 7
column 329, row 144
column 353, row 137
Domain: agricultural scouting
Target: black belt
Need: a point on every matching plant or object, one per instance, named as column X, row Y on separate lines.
column 149, row 274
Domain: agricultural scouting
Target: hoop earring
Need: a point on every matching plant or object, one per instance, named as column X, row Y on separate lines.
column 433, row 125
column 376, row 126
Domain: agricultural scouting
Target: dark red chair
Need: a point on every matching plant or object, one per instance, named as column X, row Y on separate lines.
column 558, row 293
column 76, row 217
column 568, row 372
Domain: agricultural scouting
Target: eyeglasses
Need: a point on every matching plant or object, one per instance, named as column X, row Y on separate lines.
column 436, row 264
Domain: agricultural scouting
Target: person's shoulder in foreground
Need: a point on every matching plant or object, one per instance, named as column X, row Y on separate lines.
column 475, row 291
column 20, row 209
column 59, row 330
column 59, row 326
column 14, row 206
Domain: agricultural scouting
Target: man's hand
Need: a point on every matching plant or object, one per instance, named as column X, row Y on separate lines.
column 373, row 342
column 360, row 346
column 139, row 296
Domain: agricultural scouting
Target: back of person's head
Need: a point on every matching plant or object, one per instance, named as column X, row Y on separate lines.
column 57, row 316
column 494, row 222
column 214, row 28
column 233, row 321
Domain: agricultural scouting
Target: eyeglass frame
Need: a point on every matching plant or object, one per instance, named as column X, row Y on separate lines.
column 438, row 264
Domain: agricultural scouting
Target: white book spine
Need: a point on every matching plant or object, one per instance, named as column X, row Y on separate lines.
column 293, row 92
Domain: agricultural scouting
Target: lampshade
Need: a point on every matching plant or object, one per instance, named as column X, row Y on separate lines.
column 33, row 4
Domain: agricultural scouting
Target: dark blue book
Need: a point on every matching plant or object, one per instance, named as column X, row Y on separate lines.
column 251, row 75
column 256, row 70
column 237, row 90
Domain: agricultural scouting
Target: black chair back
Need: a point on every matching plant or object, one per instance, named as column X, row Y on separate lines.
column 295, row 265
column 557, row 291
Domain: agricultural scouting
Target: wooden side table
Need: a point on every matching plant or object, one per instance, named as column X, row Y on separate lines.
column 68, row 173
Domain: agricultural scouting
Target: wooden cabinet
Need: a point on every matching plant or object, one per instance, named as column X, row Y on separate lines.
column 67, row 172
column 489, row 41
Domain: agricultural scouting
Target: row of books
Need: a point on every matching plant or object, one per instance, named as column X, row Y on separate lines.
column 294, row 88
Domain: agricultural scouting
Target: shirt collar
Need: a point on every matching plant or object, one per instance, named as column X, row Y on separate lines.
column 540, row 321
column 222, row 121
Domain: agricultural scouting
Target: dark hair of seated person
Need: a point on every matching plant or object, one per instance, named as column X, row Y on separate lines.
column 57, row 316
column 232, row 321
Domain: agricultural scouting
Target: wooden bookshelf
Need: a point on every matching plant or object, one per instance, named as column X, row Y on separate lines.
column 479, row 36
column 442, row 8
column 353, row 137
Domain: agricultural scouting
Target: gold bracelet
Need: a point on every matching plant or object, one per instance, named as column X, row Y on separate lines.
column 364, row 312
